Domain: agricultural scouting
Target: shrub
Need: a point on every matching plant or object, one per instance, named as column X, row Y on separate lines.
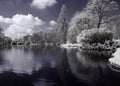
column 94, row 36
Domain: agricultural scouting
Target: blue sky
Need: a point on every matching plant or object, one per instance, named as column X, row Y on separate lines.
column 8, row 8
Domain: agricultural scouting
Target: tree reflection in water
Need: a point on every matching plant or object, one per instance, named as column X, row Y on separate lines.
column 54, row 66
column 91, row 67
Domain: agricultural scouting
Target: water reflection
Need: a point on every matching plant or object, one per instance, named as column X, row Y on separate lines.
column 30, row 66
column 20, row 61
column 43, row 82
column 92, row 67
column 53, row 66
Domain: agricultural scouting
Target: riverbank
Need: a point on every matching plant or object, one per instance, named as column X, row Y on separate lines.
column 102, row 48
column 70, row 45
column 107, row 46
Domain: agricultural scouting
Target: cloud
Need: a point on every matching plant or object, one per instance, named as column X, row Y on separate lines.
column 24, row 20
column 42, row 4
column 5, row 22
column 20, row 25
column 52, row 23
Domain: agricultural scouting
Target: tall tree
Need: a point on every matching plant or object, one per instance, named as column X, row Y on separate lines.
column 96, row 13
column 62, row 25
column 101, row 10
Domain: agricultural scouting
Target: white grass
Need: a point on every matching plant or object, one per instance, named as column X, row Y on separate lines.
column 71, row 45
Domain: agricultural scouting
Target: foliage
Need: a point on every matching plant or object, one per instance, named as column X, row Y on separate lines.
column 62, row 25
column 38, row 38
column 96, row 14
column 101, row 10
column 95, row 36
column 80, row 21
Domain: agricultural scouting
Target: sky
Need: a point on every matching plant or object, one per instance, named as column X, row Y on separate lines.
column 40, row 8
column 24, row 17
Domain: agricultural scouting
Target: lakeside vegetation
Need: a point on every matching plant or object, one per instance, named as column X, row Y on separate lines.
column 94, row 27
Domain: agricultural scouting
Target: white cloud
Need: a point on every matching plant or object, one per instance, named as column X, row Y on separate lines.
column 20, row 25
column 24, row 20
column 52, row 23
column 17, row 31
column 42, row 4
column 5, row 22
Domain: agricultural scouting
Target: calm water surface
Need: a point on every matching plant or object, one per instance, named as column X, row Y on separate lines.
column 52, row 66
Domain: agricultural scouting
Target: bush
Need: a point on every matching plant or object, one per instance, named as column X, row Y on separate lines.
column 94, row 36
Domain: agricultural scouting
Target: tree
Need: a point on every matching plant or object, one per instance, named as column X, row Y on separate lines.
column 101, row 10
column 27, row 38
column 62, row 25
column 115, row 25
column 1, row 32
column 96, row 14
column 38, row 38
column 95, row 36
column 80, row 21
column 51, row 38
column 96, row 39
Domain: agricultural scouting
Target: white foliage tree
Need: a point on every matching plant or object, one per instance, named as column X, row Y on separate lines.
column 96, row 14
column 101, row 10
column 80, row 21
column 115, row 26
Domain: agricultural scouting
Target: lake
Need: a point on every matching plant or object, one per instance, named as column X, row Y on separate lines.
column 53, row 66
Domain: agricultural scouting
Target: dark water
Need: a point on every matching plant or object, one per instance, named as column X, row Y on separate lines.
column 52, row 66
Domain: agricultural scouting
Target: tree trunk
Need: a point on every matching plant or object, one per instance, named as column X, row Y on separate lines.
column 99, row 23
